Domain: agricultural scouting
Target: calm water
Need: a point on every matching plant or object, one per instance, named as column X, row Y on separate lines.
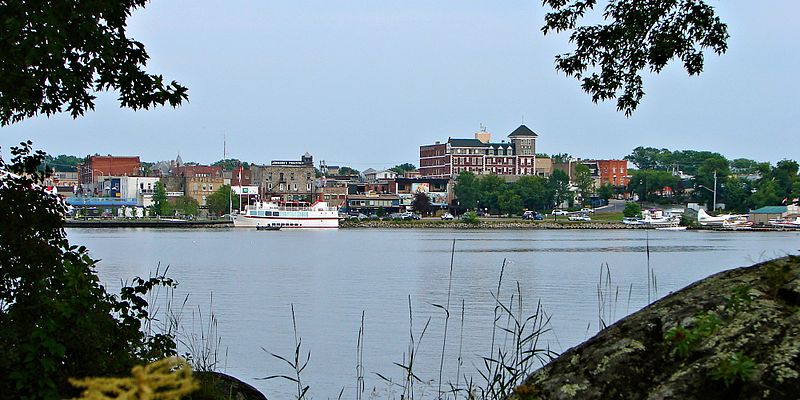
column 332, row 276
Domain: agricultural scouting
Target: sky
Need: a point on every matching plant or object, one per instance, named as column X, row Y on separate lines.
column 365, row 83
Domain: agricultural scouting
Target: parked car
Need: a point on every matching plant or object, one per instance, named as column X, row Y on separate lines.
column 358, row 216
column 587, row 210
column 410, row 216
column 374, row 217
column 579, row 217
column 532, row 215
column 447, row 216
column 559, row 212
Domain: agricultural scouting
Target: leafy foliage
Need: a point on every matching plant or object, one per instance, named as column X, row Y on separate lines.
column 466, row 190
column 737, row 367
column 166, row 379
column 63, row 162
column 606, row 191
column 609, row 57
column 559, row 184
column 56, row 319
column 403, row 168
column 584, row 181
column 187, row 205
column 632, row 210
column 219, row 202
column 649, row 184
column 491, row 192
column 348, row 171
column 230, row 164
column 470, row 217
column 421, row 203
column 160, row 202
column 57, row 55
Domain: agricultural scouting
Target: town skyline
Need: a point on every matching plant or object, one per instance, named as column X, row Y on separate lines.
column 364, row 85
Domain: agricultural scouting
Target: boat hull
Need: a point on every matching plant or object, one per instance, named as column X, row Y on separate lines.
column 247, row 221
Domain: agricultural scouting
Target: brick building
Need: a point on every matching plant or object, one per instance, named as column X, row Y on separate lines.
column 289, row 180
column 96, row 167
column 480, row 155
column 614, row 172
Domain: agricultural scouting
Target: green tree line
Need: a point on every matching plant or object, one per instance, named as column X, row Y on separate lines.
column 491, row 193
column 741, row 184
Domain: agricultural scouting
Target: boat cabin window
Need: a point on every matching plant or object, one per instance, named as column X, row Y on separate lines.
column 276, row 214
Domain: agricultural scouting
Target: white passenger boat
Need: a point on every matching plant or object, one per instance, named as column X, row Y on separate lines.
column 317, row 215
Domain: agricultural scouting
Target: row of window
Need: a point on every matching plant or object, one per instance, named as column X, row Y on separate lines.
column 375, row 203
column 508, row 151
column 290, row 186
column 291, row 176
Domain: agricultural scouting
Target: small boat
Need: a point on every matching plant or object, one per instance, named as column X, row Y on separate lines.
column 671, row 228
column 267, row 228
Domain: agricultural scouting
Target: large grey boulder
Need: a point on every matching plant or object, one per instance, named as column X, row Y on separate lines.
column 732, row 335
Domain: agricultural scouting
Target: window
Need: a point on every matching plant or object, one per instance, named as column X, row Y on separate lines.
column 308, row 187
column 281, row 187
column 291, row 176
column 295, row 186
column 210, row 188
column 269, row 186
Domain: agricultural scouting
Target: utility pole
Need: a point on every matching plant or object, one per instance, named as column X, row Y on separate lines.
column 715, row 192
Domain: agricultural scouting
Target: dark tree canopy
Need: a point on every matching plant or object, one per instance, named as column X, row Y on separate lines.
column 636, row 35
column 55, row 55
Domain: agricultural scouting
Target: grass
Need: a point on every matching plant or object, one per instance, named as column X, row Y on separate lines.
column 515, row 351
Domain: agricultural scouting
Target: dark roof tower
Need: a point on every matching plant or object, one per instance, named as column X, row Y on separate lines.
column 523, row 131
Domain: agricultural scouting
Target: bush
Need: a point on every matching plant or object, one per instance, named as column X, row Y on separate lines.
column 470, row 217
column 632, row 210
column 56, row 319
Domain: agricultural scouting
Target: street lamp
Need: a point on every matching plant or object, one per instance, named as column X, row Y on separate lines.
column 712, row 190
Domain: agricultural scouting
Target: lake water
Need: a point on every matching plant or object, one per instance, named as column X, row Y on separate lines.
column 331, row 277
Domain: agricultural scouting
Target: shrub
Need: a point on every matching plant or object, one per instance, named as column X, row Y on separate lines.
column 632, row 210
column 56, row 319
column 470, row 217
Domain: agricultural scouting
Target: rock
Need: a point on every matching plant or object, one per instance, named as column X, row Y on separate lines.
column 732, row 335
column 218, row 386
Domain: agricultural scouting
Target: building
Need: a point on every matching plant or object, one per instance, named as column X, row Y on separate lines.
column 480, row 155
column 613, row 172
column 96, row 167
column 371, row 175
column 370, row 204
column 544, row 167
column 200, row 171
column 288, row 180
column 762, row 215
column 437, row 189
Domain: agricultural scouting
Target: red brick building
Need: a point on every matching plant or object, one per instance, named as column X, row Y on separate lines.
column 480, row 155
column 614, row 172
column 96, row 167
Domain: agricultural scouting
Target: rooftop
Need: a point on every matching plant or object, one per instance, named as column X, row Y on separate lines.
column 523, row 131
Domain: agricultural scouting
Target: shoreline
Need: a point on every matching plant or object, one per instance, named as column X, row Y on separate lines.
column 150, row 223
column 491, row 224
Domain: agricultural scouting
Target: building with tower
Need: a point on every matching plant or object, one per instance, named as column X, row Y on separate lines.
column 480, row 155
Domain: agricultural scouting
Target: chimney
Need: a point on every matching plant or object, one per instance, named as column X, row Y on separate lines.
column 483, row 136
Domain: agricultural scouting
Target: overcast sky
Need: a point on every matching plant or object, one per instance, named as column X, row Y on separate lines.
column 365, row 83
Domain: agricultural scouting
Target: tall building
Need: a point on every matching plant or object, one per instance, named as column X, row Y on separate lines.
column 480, row 155
column 289, row 180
